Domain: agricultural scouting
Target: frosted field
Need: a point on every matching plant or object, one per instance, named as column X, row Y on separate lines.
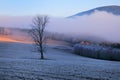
column 20, row 62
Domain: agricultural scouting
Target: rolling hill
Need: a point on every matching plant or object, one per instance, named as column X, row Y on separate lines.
column 110, row 9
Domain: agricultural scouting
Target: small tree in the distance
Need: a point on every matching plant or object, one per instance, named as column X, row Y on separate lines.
column 38, row 28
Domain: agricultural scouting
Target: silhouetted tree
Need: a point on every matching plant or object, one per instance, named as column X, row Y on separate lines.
column 1, row 30
column 38, row 28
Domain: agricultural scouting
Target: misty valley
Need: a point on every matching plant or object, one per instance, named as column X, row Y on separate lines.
column 82, row 46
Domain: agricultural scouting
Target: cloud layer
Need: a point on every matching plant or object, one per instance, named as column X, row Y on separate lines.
column 15, row 21
column 100, row 24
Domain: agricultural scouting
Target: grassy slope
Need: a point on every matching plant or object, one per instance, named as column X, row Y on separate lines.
column 20, row 61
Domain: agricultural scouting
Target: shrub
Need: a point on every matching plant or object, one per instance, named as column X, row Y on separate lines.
column 96, row 51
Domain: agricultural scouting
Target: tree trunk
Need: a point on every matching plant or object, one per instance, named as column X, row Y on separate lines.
column 42, row 57
column 41, row 51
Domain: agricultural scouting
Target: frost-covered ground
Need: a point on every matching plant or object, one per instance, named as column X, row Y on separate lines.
column 21, row 62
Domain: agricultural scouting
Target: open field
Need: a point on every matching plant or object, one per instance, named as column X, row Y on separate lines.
column 20, row 62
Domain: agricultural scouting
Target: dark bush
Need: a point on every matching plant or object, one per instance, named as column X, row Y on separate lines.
column 98, row 52
column 115, row 45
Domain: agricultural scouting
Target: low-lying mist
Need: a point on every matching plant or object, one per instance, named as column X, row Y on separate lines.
column 98, row 26
column 101, row 25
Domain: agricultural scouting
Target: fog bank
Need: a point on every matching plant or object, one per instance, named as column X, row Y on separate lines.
column 100, row 24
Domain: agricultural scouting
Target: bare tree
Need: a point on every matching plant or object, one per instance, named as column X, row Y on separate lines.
column 38, row 28
column 1, row 30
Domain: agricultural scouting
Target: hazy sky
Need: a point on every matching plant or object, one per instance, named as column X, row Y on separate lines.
column 59, row 8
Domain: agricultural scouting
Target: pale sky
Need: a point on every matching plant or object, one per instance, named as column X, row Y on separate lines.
column 57, row 8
